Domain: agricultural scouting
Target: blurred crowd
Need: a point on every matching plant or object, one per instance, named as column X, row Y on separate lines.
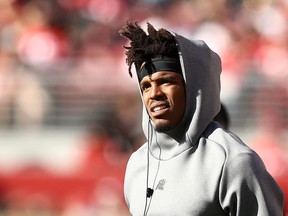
column 62, row 64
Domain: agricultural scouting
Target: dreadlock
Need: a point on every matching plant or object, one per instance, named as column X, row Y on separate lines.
column 143, row 47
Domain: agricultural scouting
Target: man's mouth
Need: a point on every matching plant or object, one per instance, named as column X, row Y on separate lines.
column 159, row 108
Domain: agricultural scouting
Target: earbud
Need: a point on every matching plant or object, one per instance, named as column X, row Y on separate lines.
column 149, row 192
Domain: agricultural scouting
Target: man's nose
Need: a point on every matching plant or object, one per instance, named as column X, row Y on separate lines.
column 156, row 92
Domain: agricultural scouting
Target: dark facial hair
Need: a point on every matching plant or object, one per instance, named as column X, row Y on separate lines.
column 163, row 128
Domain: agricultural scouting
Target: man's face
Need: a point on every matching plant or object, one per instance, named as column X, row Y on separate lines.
column 164, row 98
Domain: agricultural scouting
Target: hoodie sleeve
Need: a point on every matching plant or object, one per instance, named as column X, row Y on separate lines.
column 247, row 189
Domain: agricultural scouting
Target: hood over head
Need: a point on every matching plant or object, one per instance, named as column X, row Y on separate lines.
column 201, row 68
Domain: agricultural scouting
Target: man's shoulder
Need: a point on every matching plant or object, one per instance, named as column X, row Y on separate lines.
column 140, row 152
column 227, row 140
column 236, row 151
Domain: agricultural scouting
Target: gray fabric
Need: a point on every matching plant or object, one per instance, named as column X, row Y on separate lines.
column 199, row 169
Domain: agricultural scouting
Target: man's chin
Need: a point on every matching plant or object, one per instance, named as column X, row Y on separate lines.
column 163, row 128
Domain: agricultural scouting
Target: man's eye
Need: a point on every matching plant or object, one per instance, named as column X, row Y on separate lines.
column 144, row 86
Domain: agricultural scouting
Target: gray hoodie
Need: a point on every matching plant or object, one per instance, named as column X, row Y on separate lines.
column 198, row 168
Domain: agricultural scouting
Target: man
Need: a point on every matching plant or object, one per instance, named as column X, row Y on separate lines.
column 189, row 165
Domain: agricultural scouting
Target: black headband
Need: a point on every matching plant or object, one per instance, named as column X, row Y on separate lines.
column 156, row 65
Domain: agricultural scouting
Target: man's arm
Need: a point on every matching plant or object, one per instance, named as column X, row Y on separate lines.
column 247, row 189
